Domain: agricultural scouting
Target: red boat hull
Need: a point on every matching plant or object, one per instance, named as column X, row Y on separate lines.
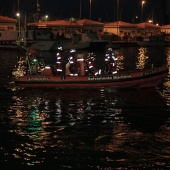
column 138, row 78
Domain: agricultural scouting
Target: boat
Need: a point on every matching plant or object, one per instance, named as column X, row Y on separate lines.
column 47, row 41
column 39, row 75
column 154, row 40
column 42, row 39
column 94, row 40
column 134, row 79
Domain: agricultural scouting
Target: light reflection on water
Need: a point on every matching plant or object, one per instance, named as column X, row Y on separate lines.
column 100, row 128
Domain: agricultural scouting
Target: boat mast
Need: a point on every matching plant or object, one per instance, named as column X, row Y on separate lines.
column 25, row 29
column 38, row 10
column 19, row 25
column 90, row 9
column 117, row 20
column 80, row 9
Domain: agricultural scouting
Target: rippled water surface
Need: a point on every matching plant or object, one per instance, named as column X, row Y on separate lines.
column 102, row 128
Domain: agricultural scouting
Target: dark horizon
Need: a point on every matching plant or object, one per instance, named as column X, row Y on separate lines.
column 104, row 11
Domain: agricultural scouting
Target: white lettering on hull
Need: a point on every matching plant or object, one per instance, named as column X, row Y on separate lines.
column 37, row 78
column 110, row 77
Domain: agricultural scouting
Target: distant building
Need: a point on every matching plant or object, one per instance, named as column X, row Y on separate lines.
column 146, row 29
column 165, row 29
column 126, row 31
column 7, row 23
column 69, row 27
column 129, row 32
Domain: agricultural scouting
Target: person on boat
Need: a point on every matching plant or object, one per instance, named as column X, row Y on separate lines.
column 90, row 66
column 110, row 62
column 59, row 61
column 73, row 65
column 33, row 58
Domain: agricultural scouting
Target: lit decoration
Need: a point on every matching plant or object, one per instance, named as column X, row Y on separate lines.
column 20, row 68
column 168, row 57
column 32, row 63
column 120, row 58
column 165, row 92
column 167, row 83
column 116, row 56
column 142, row 58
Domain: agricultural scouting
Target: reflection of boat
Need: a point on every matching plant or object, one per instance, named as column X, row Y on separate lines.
column 156, row 40
column 47, row 77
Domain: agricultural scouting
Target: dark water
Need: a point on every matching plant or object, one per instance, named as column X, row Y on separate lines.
column 102, row 128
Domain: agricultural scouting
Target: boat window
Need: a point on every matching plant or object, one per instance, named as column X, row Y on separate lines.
column 41, row 32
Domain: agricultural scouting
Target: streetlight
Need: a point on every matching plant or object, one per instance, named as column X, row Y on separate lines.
column 46, row 17
column 143, row 2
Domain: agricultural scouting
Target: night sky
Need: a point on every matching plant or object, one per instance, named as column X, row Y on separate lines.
column 105, row 10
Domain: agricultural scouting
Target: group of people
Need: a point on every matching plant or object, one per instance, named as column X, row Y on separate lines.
column 89, row 63
column 110, row 62
column 61, row 62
